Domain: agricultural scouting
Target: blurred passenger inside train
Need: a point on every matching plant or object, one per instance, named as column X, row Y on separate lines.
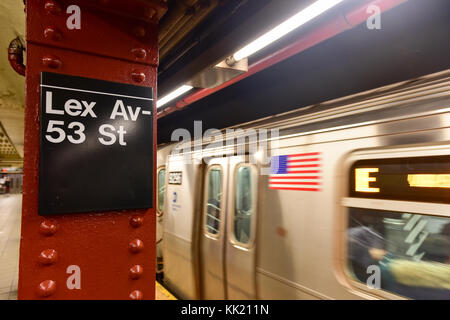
column 366, row 244
column 425, row 279
column 413, row 252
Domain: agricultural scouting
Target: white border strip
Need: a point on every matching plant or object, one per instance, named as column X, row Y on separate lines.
column 96, row 92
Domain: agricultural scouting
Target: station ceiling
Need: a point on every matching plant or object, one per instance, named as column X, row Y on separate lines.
column 412, row 42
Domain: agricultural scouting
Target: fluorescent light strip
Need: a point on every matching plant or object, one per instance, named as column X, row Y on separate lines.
column 174, row 94
column 289, row 25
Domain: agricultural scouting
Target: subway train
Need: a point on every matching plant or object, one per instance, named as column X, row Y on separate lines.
column 345, row 199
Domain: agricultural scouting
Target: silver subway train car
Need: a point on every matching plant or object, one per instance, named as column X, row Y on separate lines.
column 347, row 199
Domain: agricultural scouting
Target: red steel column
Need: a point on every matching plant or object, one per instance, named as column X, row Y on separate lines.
column 113, row 40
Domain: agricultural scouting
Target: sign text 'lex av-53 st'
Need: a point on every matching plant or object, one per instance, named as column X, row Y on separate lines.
column 96, row 145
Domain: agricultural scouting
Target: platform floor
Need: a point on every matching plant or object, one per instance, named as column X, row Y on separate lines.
column 10, row 218
column 162, row 293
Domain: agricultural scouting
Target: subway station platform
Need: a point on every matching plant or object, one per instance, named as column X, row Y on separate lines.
column 10, row 219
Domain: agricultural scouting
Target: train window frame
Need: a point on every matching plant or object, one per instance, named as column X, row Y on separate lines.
column 432, row 209
column 160, row 213
column 232, row 237
column 205, row 202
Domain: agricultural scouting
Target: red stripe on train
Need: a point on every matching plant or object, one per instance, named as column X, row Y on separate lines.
column 295, row 177
column 296, row 189
column 297, row 183
column 303, row 166
column 304, row 160
column 305, row 154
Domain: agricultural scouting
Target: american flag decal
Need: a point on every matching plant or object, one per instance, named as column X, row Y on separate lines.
column 300, row 172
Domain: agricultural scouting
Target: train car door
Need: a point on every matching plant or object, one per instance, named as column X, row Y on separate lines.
column 241, row 229
column 212, row 232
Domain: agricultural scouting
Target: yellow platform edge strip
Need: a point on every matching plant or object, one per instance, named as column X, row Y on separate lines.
column 164, row 291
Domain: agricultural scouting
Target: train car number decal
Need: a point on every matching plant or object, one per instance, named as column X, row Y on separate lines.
column 175, row 177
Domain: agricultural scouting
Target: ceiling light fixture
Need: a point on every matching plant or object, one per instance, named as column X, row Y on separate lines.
column 284, row 28
column 174, row 94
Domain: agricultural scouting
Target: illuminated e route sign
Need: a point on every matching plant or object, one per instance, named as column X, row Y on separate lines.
column 96, row 145
column 425, row 179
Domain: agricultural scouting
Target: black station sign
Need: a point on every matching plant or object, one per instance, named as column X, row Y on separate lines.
column 96, row 145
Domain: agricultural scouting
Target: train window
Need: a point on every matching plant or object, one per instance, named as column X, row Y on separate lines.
column 243, row 204
column 214, row 200
column 412, row 251
column 161, row 190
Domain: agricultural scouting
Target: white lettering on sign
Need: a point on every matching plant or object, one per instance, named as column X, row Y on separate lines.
column 74, row 20
column 135, row 115
column 58, row 131
column 51, row 128
column 119, row 110
column 78, row 132
column 61, row 134
column 88, row 109
column 72, row 107
column 74, row 280
column 119, row 105
column 111, row 135
column 49, row 104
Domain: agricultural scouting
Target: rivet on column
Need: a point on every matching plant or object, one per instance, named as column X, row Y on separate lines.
column 136, row 221
column 48, row 257
column 46, row 288
column 139, row 31
column 51, row 61
column 136, row 295
column 136, row 246
column 138, row 75
column 52, row 33
column 139, row 53
column 136, row 272
column 150, row 12
column 47, row 228
column 52, row 7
